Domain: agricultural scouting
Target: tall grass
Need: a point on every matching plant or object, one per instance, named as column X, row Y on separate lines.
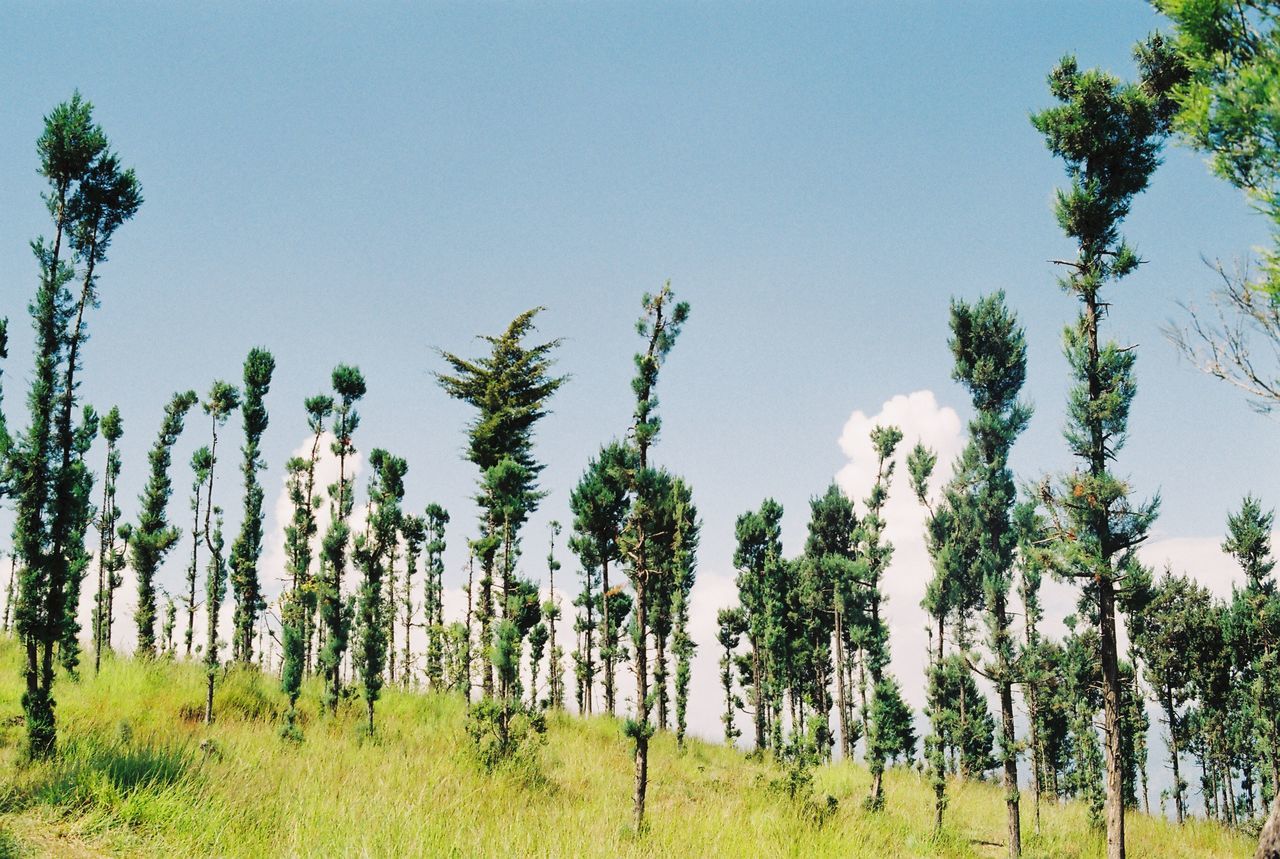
column 138, row 774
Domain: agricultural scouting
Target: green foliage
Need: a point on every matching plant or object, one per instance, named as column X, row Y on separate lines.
column 152, row 538
column 1109, row 135
column 247, row 548
column 335, row 613
column 371, row 552
column 89, row 196
column 1225, row 73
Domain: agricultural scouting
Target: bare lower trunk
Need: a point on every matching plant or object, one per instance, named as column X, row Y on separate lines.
column 1172, row 716
column 208, row 700
column 1010, row 768
column 1269, row 842
column 1111, row 716
column 842, row 700
column 642, row 705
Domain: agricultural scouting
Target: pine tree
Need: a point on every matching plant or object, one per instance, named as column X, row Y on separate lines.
column 1172, row 626
column 509, row 388
column 108, row 517
column 1029, row 527
column 990, row 353
column 152, row 538
column 758, row 559
column 170, row 622
column 1109, row 135
column 247, row 548
column 937, row 601
column 874, row 553
column 599, row 503
column 335, row 613
column 551, row 613
column 1253, row 627
column 372, row 554
column 660, row 326
column 584, row 624
column 414, row 530
column 731, row 625
column 201, row 466
column 222, row 400
column 684, row 565
column 89, row 196
column 437, row 518
column 300, row 601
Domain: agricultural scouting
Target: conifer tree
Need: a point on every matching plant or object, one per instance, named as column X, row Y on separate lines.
column 77, row 553
column 414, row 530
column 659, row 326
column 509, row 388
column 991, row 361
column 684, row 543
column 887, row 737
column 437, row 518
column 551, row 613
column 1171, row 627
column 201, row 466
column 585, row 623
column 372, row 554
column 299, row 603
column 731, row 625
column 170, row 622
column 247, row 547
column 222, row 400
column 599, row 503
column 335, row 613
column 938, row 602
column 1253, row 628
column 1036, row 676
column 108, row 517
column 758, row 559
column 152, row 538
column 1109, row 135
column 832, row 522
column 89, row 196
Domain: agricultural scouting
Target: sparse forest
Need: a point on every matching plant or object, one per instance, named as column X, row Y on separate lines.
column 541, row 705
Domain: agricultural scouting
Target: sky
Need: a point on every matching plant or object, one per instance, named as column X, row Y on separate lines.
column 373, row 184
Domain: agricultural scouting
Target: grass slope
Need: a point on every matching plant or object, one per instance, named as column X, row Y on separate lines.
column 140, row 775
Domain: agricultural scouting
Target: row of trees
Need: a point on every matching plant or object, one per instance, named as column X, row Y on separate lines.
column 809, row 638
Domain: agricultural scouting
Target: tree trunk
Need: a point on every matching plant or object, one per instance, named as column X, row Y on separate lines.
column 1010, row 755
column 607, row 645
column 1172, row 716
column 1111, row 719
column 842, row 698
column 642, row 703
column 1269, row 842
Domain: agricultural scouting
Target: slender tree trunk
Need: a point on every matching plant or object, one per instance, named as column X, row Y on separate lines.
column 8, row 599
column 104, row 532
column 608, row 649
column 466, row 647
column 1172, row 716
column 940, row 784
column 842, row 698
column 1111, row 718
column 757, row 697
column 191, row 577
column 1010, row 755
column 642, row 701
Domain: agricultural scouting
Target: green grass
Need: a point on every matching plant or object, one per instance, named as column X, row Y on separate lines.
column 139, row 775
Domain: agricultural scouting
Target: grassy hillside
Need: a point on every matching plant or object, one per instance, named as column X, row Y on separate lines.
column 140, row 775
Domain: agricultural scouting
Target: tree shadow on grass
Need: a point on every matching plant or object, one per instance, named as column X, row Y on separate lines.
column 89, row 772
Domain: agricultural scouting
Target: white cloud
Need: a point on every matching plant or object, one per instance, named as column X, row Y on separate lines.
column 921, row 419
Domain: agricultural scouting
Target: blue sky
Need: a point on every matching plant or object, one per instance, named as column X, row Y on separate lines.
column 368, row 184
